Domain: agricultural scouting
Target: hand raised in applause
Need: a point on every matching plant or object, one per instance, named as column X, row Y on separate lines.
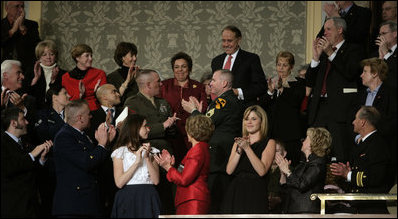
column 283, row 164
column 340, row 169
column 37, row 73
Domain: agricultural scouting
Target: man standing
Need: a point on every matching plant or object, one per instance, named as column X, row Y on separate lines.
column 249, row 78
column 108, row 97
column 161, row 123
column 357, row 19
column 226, row 112
column 333, row 77
column 387, row 43
column 76, row 163
column 18, row 166
column 369, row 168
column 19, row 37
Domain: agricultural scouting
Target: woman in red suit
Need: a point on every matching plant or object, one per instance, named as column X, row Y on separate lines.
column 83, row 80
column 192, row 195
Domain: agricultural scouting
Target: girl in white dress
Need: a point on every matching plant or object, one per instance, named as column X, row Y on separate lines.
column 135, row 172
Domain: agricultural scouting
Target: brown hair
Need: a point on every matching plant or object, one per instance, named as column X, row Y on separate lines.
column 288, row 55
column 259, row 111
column 130, row 133
column 199, row 127
column 39, row 50
column 79, row 49
column 376, row 66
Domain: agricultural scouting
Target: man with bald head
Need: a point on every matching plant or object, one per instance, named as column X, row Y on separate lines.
column 161, row 123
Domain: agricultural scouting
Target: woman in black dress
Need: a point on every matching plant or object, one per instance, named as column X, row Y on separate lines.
column 250, row 160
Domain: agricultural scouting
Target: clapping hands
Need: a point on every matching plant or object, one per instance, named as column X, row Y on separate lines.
column 165, row 160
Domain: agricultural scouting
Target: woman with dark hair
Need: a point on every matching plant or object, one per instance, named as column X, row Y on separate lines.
column 83, row 80
column 174, row 90
column 124, row 78
column 135, row 172
column 309, row 176
column 192, row 195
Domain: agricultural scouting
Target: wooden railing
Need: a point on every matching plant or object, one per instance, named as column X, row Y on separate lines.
column 349, row 197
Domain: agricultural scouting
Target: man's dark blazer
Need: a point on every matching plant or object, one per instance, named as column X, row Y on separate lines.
column 391, row 79
column 24, row 45
column 358, row 26
column 248, row 74
column 343, row 77
column 18, row 180
column 98, row 117
column 76, row 165
column 370, row 172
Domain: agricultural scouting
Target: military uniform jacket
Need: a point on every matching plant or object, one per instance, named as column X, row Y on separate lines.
column 155, row 116
column 226, row 112
column 370, row 165
column 48, row 123
column 76, row 164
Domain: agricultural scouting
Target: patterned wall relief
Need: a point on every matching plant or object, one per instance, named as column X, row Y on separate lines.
column 162, row 28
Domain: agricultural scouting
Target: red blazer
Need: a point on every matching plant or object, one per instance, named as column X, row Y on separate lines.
column 89, row 81
column 174, row 93
column 192, row 181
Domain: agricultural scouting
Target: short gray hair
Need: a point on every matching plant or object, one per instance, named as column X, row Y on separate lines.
column 6, row 66
column 227, row 76
column 339, row 23
column 391, row 24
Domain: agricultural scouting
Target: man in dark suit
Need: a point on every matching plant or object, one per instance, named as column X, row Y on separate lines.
column 12, row 95
column 368, row 169
column 357, row 19
column 161, row 122
column 108, row 96
column 226, row 112
column 19, row 37
column 76, row 163
column 18, row 166
column 333, row 77
column 249, row 78
column 387, row 50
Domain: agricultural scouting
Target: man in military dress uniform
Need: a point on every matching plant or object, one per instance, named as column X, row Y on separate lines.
column 226, row 112
column 161, row 123
column 369, row 170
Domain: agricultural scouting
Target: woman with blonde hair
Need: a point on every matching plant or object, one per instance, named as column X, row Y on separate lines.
column 250, row 160
column 309, row 176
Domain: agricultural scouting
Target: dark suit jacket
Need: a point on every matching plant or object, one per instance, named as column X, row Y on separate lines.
column 117, row 78
column 343, row 76
column 98, row 117
column 48, row 123
column 76, row 164
column 39, row 89
column 392, row 71
column 23, row 44
column 370, row 171
column 248, row 74
column 18, row 180
column 358, row 26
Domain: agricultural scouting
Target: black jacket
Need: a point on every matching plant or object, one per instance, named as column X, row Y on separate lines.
column 306, row 179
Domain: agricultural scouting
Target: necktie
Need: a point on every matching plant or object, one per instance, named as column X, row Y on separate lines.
column 342, row 13
column 111, row 110
column 328, row 67
column 20, row 143
column 228, row 64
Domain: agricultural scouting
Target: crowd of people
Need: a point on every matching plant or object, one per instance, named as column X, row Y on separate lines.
column 233, row 143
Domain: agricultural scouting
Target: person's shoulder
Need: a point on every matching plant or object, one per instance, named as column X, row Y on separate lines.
column 114, row 74
column 168, row 82
column 246, row 53
column 96, row 70
column 31, row 22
